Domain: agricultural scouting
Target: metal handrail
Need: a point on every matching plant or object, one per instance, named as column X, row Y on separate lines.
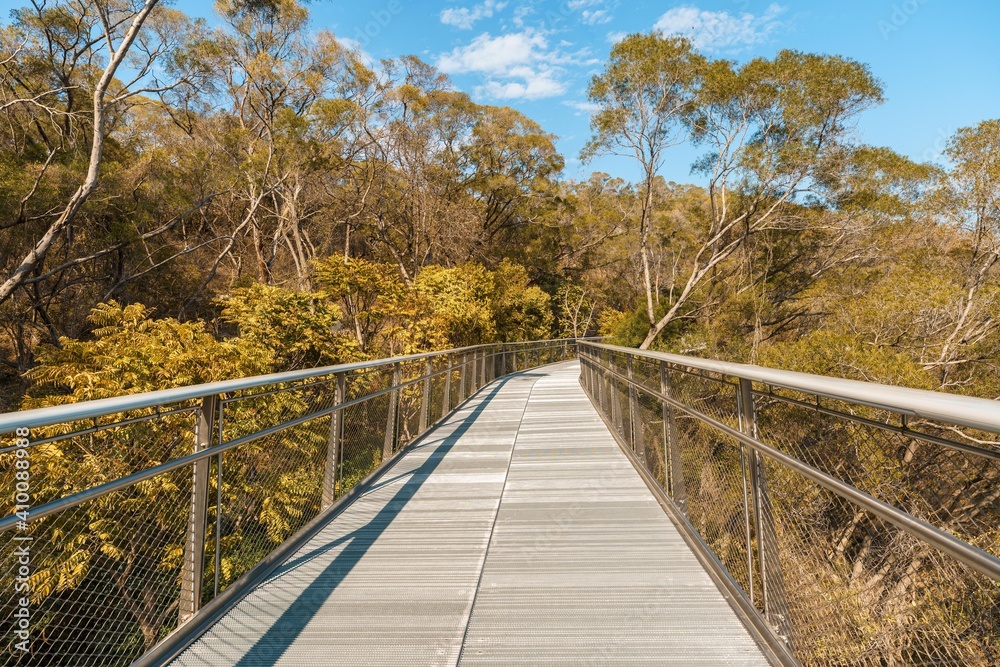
column 340, row 422
column 104, row 406
column 976, row 558
column 979, row 413
column 167, row 396
column 832, row 511
column 73, row 500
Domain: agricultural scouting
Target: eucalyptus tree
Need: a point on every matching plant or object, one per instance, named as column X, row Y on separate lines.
column 85, row 34
column 774, row 130
column 512, row 165
column 974, row 208
column 461, row 179
column 70, row 71
column 420, row 214
column 289, row 101
column 646, row 91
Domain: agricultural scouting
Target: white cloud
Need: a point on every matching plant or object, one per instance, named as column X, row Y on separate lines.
column 516, row 65
column 534, row 85
column 595, row 17
column 358, row 48
column 465, row 17
column 617, row 36
column 582, row 107
column 593, row 12
column 493, row 55
column 348, row 43
column 720, row 30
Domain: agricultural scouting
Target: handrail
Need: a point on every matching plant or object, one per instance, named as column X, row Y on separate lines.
column 979, row 560
column 47, row 416
column 66, row 502
column 850, row 527
column 979, row 413
column 334, row 427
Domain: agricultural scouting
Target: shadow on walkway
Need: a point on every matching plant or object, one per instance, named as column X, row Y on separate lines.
column 273, row 643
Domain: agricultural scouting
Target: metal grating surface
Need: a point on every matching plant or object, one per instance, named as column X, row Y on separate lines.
column 581, row 567
column 584, row 567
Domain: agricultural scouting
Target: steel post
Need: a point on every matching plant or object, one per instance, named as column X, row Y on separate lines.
column 333, row 445
column 635, row 418
column 425, row 399
column 446, row 400
column 769, row 563
column 677, row 490
column 193, row 570
column 461, row 377
column 392, row 418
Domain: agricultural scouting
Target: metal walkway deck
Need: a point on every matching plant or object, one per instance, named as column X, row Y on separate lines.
column 516, row 532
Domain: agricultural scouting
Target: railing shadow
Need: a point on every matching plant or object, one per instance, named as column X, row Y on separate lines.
column 269, row 648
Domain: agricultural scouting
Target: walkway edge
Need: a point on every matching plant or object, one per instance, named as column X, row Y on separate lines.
column 185, row 635
column 773, row 648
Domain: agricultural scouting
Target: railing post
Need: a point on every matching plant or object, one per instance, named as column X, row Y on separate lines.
column 634, row 418
column 471, row 374
column 606, row 378
column 391, row 432
column 446, row 400
column 476, row 372
column 598, row 380
column 672, row 444
column 591, row 387
column 461, row 377
column 748, row 512
column 616, row 407
column 772, row 583
column 194, row 545
column 588, row 374
column 482, row 367
column 425, row 400
column 333, row 444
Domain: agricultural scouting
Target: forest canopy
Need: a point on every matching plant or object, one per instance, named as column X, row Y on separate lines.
column 183, row 203
column 260, row 184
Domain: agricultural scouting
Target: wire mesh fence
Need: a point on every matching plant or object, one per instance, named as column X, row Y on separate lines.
column 121, row 526
column 862, row 534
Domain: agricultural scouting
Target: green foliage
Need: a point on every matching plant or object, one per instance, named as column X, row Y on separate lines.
column 458, row 304
column 131, row 353
column 373, row 299
column 298, row 330
column 609, row 323
column 442, row 307
column 521, row 311
column 847, row 356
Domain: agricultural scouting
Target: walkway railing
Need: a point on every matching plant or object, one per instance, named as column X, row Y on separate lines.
column 860, row 521
column 125, row 516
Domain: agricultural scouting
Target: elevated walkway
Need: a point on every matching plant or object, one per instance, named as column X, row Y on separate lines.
column 516, row 532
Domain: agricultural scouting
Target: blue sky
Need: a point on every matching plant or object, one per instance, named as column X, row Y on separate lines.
column 939, row 61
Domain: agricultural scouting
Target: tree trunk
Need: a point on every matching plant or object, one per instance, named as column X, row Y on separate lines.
column 79, row 197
